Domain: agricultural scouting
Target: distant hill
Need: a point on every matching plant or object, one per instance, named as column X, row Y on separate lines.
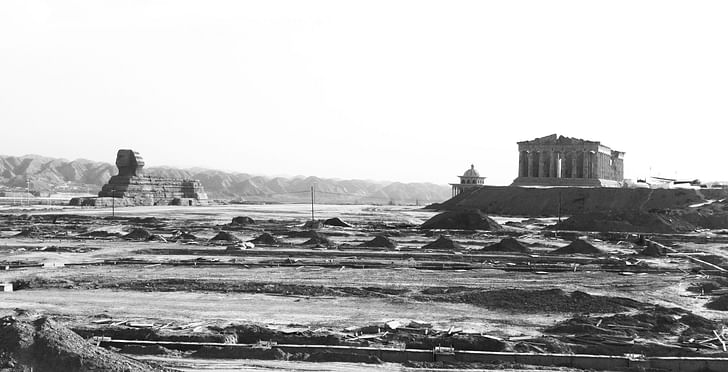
column 51, row 174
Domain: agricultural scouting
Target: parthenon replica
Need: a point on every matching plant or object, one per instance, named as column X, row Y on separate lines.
column 131, row 187
column 563, row 161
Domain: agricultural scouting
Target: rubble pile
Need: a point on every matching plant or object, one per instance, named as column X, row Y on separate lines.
column 635, row 332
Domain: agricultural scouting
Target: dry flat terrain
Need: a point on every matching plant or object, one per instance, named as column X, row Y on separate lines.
column 166, row 274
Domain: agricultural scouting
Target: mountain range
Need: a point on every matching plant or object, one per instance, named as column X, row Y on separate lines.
column 53, row 175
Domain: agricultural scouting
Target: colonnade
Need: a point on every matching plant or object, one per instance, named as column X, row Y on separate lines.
column 558, row 164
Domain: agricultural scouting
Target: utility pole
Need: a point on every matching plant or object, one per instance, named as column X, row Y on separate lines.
column 559, row 210
column 312, row 200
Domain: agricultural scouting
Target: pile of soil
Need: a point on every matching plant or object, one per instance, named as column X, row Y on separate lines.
column 507, row 245
column 224, row 236
column 265, row 238
column 336, row 221
column 101, row 234
column 29, row 232
column 533, row 301
column 313, row 225
column 626, row 221
column 654, row 250
column 718, row 303
column 42, row 345
column 579, row 246
column 138, row 234
column 380, row 241
column 243, row 220
column 462, row 220
column 443, row 242
column 319, row 240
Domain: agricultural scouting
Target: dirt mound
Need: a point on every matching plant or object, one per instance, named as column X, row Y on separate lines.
column 462, row 220
column 224, row 236
column 336, row 221
column 313, row 225
column 319, row 240
column 380, row 241
column 101, row 234
column 654, row 250
column 536, row 301
column 625, row 221
column 43, row 345
column 578, row 246
column 443, row 242
column 718, row 303
column 138, row 234
column 507, row 245
column 243, row 220
column 29, row 232
column 265, row 238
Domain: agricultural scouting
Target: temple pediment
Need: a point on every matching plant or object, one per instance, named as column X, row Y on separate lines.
column 555, row 139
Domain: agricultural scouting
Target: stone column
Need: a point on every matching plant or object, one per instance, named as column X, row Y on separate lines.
column 585, row 165
column 593, row 170
column 557, row 164
column 541, row 164
column 573, row 164
column 529, row 165
column 521, row 158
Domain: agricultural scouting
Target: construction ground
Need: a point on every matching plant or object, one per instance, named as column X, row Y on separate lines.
column 177, row 288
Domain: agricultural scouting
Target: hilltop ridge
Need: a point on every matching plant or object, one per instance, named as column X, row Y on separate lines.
column 52, row 174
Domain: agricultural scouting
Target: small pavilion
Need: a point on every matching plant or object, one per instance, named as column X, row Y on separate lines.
column 471, row 178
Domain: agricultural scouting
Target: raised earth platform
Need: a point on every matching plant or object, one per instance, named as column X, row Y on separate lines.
column 131, row 187
column 552, row 201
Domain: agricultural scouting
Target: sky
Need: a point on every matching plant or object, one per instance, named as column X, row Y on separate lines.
column 409, row 91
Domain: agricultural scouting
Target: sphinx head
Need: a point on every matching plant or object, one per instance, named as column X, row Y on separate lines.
column 130, row 163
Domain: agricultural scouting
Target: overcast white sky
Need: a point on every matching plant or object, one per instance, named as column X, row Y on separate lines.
column 388, row 90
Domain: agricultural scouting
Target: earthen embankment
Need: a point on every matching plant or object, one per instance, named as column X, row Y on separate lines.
column 525, row 201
